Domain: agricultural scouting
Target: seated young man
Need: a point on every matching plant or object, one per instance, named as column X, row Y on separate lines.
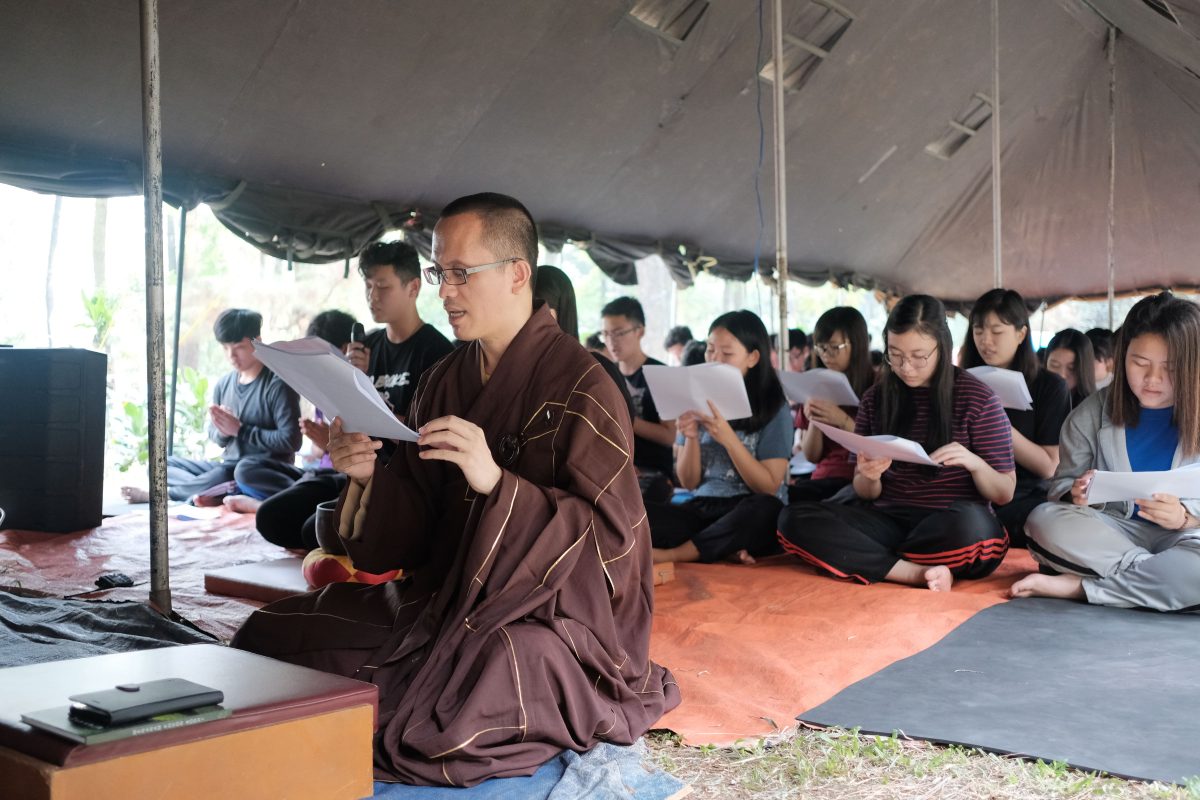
column 394, row 357
column 254, row 415
column 522, row 626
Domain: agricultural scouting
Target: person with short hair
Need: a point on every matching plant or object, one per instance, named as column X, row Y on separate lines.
column 254, row 416
column 677, row 339
column 624, row 327
column 1145, row 553
column 522, row 626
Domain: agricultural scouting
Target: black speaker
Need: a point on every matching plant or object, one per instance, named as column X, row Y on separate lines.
column 52, row 438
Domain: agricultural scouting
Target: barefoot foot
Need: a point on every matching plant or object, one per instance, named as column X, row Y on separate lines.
column 1069, row 587
column 743, row 557
column 242, row 504
column 939, row 579
column 135, row 494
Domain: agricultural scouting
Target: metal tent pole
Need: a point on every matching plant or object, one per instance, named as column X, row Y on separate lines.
column 997, row 242
column 1112, row 172
column 160, row 582
column 781, row 265
column 178, row 309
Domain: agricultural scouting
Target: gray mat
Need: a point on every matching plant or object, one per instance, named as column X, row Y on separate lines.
column 1103, row 689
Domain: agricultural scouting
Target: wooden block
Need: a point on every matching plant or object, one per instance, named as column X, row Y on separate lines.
column 664, row 573
column 324, row 756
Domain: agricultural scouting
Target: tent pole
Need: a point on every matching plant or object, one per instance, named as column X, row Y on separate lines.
column 1112, row 170
column 997, row 261
column 781, row 265
column 160, row 584
column 178, row 308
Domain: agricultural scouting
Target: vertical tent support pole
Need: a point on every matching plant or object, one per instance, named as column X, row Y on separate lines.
column 1112, row 171
column 781, row 265
column 178, row 309
column 160, row 582
column 997, row 241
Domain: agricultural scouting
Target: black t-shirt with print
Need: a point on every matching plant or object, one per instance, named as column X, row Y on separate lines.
column 647, row 454
column 396, row 368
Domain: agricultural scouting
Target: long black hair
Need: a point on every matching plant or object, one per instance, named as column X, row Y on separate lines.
column 1085, row 360
column 860, row 372
column 925, row 315
column 553, row 286
column 1009, row 308
column 762, row 384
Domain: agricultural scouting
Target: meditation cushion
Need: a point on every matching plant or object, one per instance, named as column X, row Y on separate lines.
column 321, row 569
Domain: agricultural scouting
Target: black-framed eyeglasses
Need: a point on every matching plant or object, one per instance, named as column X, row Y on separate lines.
column 457, row 276
column 827, row 350
column 610, row 336
column 918, row 362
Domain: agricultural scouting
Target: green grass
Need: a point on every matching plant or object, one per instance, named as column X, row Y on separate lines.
column 851, row 766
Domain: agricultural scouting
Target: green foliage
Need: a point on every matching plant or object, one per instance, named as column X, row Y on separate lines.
column 131, row 442
column 191, row 413
column 101, row 309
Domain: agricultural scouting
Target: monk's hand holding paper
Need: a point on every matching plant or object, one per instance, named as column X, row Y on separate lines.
column 955, row 455
column 463, row 443
column 718, row 427
column 872, row 468
column 1164, row 510
column 1079, row 488
column 353, row 454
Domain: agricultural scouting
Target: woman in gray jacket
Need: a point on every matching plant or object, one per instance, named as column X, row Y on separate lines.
column 1145, row 553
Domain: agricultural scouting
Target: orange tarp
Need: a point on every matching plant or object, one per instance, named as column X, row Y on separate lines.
column 753, row 646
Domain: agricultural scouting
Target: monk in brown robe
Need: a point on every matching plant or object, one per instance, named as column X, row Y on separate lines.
column 522, row 627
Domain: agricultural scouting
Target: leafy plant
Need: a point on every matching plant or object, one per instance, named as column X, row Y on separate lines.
column 101, row 310
column 132, row 442
column 191, row 413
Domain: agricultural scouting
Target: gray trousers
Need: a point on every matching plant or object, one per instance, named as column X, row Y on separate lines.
column 1128, row 563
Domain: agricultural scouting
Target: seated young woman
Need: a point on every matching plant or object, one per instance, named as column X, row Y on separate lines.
column 919, row 525
column 999, row 325
column 842, row 344
column 735, row 469
column 1070, row 356
column 1145, row 553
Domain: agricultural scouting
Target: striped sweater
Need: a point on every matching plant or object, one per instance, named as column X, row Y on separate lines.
column 979, row 424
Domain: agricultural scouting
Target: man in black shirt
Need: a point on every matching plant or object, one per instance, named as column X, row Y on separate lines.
column 624, row 327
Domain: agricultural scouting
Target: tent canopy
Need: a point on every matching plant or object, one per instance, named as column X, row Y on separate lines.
column 313, row 127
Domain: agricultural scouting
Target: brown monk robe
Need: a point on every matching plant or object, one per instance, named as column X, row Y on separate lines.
column 523, row 625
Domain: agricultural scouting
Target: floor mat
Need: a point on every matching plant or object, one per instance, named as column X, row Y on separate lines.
column 751, row 645
column 58, row 565
column 1104, row 689
column 606, row 772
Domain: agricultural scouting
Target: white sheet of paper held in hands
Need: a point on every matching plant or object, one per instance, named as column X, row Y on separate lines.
column 818, row 384
column 323, row 376
column 893, row 447
column 1008, row 384
column 679, row 389
column 1112, row 487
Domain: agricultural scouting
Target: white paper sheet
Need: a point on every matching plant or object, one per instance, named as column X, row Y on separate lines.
column 323, row 376
column 818, row 384
column 1008, row 384
column 1111, row 487
column 893, row 447
column 679, row 389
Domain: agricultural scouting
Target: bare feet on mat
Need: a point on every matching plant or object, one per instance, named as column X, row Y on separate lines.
column 742, row 557
column 241, row 503
column 135, row 494
column 684, row 552
column 939, row 579
column 1069, row 587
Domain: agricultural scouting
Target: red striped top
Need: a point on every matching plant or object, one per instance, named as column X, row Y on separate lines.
column 979, row 424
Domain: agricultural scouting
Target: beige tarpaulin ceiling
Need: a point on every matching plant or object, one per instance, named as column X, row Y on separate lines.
column 318, row 124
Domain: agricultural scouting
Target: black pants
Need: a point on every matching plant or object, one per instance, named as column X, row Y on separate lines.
column 718, row 526
column 256, row 476
column 1013, row 515
column 811, row 491
column 289, row 519
column 863, row 543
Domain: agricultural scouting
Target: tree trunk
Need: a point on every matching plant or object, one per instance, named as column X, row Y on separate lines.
column 50, row 269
